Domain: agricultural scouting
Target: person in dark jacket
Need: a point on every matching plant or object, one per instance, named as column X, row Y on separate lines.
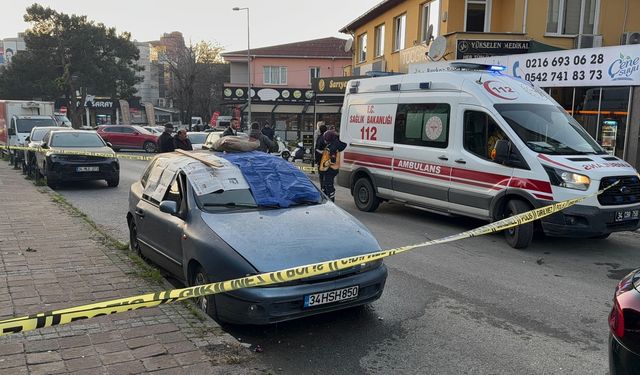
column 182, row 142
column 265, row 143
column 165, row 140
column 233, row 128
column 330, row 162
column 268, row 131
column 320, row 145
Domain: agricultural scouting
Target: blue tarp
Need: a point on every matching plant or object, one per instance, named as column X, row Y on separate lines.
column 273, row 180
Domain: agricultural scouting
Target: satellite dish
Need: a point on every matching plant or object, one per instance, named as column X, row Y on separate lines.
column 348, row 45
column 438, row 48
column 429, row 35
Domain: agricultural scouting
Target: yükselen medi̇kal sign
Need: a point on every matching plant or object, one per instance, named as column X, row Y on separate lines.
column 606, row 66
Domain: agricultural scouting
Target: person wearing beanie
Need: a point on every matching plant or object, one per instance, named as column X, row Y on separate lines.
column 166, row 142
column 265, row 143
column 330, row 162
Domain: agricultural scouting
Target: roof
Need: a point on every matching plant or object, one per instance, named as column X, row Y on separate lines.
column 316, row 48
column 372, row 13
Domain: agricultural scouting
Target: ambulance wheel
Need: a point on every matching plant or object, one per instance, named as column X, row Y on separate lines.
column 518, row 237
column 365, row 196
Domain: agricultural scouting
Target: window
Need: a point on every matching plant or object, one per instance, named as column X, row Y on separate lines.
column 379, row 40
column 147, row 172
column 424, row 22
column 423, row 125
column 314, row 72
column 571, row 17
column 127, row 130
column 64, row 139
column 173, row 193
column 275, row 75
column 478, row 16
column 481, row 134
column 362, row 47
column 399, row 31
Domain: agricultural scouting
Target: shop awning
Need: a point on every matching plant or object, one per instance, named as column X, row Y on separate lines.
column 535, row 46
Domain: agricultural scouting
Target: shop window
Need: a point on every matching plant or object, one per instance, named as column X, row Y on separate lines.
column 478, row 16
column 362, row 48
column 314, row 72
column 423, row 125
column 379, row 40
column 275, row 75
column 572, row 17
column 399, row 31
column 481, row 134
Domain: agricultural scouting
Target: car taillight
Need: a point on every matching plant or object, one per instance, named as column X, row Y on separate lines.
column 616, row 320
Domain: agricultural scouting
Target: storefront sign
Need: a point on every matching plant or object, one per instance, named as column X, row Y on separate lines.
column 331, row 85
column 606, row 66
column 412, row 55
column 470, row 49
column 265, row 94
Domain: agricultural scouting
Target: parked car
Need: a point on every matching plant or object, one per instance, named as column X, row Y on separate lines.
column 197, row 139
column 34, row 140
column 128, row 136
column 57, row 166
column 624, row 327
column 213, row 136
column 62, row 119
column 228, row 231
column 156, row 130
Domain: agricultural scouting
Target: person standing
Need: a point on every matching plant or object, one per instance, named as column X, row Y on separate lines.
column 233, row 127
column 330, row 162
column 268, row 131
column 319, row 147
column 165, row 140
column 265, row 143
column 182, row 142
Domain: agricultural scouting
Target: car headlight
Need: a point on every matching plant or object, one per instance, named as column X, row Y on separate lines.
column 566, row 179
column 370, row 265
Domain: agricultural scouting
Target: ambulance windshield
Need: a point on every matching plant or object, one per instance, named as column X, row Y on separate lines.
column 548, row 129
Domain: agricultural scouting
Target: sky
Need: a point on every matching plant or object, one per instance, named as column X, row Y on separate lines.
column 272, row 22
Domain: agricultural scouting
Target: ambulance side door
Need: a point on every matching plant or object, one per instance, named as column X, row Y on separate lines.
column 475, row 178
column 422, row 150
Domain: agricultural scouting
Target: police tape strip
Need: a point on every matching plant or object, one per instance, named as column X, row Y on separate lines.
column 68, row 315
column 81, row 153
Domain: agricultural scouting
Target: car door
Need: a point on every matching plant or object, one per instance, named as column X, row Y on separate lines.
column 113, row 135
column 130, row 137
column 40, row 154
column 422, row 152
column 475, row 178
column 160, row 233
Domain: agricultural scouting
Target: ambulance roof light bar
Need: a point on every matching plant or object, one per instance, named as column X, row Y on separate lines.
column 476, row 66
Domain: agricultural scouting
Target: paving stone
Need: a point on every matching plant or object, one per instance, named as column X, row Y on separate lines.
column 190, row 358
column 149, row 351
column 159, row 363
column 43, row 357
column 11, row 348
column 141, row 341
column 83, row 363
column 125, row 368
column 179, row 347
column 12, row 360
column 83, row 351
column 41, row 345
column 116, row 357
column 47, row 368
column 110, row 347
column 75, row 341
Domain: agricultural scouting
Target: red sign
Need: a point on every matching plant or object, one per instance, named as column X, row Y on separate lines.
column 214, row 118
column 500, row 90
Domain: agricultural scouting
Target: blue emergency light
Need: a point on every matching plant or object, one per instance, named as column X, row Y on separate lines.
column 476, row 66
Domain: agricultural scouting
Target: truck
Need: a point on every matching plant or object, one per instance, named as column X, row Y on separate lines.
column 17, row 118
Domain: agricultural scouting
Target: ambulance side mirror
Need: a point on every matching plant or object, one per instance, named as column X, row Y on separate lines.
column 502, row 151
column 12, row 131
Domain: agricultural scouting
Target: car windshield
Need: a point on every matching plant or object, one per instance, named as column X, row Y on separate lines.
column 25, row 125
column 76, row 140
column 38, row 133
column 548, row 129
column 63, row 119
column 197, row 138
column 226, row 200
column 141, row 130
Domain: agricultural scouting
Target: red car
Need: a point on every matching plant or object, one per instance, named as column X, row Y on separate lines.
column 128, row 136
column 624, row 324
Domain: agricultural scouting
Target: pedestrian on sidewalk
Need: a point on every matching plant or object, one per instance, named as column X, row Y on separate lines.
column 182, row 141
column 268, row 131
column 233, row 127
column 330, row 162
column 165, row 140
column 265, row 143
column 320, row 145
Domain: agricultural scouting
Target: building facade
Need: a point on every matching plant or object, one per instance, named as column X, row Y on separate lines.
column 599, row 85
column 11, row 46
column 281, row 81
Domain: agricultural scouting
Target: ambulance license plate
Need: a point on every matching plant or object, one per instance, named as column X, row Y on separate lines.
column 627, row 215
column 88, row 169
column 331, row 296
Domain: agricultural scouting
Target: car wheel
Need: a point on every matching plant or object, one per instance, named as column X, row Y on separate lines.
column 149, row 147
column 365, row 196
column 113, row 182
column 206, row 304
column 52, row 183
column 134, row 244
column 285, row 155
column 518, row 237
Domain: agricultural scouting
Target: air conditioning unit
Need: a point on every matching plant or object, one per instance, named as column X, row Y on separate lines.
column 380, row 66
column 588, row 41
column 632, row 37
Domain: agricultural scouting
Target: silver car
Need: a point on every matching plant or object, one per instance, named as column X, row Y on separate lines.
column 258, row 213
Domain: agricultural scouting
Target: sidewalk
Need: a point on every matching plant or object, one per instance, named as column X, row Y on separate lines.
column 51, row 259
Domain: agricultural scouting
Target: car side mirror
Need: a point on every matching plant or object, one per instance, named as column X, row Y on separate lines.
column 12, row 131
column 44, row 145
column 501, row 151
column 28, row 139
column 169, row 207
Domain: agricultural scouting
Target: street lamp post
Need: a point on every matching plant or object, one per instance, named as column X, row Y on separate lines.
column 248, row 68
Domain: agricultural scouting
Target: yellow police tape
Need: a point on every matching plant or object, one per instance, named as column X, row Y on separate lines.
column 81, row 153
column 64, row 316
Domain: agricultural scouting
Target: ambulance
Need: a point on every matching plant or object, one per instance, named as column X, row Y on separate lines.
column 474, row 142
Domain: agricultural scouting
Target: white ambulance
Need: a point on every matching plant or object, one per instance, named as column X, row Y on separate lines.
column 477, row 143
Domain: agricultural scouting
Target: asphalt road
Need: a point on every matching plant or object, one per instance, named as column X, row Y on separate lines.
column 475, row 306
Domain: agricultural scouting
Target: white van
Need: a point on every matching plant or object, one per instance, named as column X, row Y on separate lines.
column 477, row 143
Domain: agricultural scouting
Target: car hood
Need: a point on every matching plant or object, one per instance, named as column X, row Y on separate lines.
column 276, row 239
column 88, row 150
column 594, row 166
